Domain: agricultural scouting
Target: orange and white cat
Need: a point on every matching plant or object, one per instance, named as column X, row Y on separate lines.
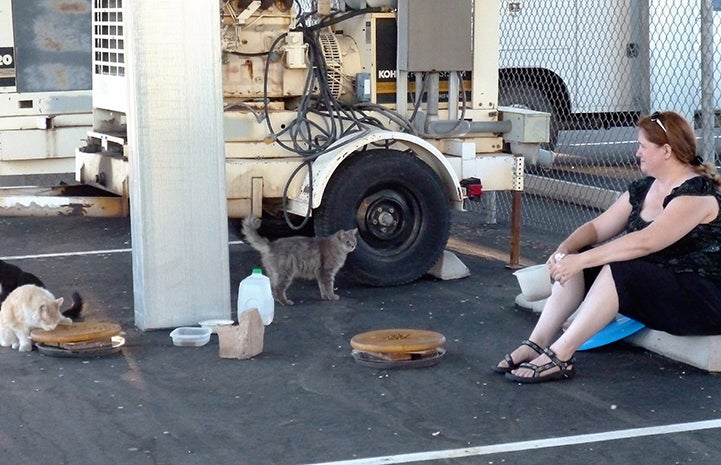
column 26, row 308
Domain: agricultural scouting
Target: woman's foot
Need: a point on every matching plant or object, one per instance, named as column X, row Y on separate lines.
column 546, row 367
column 527, row 351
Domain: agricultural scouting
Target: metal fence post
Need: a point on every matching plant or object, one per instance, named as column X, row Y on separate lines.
column 706, row 146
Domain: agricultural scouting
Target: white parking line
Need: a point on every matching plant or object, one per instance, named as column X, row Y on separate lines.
column 79, row 254
column 534, row 444
column 66, row 254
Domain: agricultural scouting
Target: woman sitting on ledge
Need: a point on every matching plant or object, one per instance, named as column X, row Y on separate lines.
column 665, row 271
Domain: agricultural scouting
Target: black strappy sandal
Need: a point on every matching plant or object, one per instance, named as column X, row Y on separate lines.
column 509, row 360
column 565, row 370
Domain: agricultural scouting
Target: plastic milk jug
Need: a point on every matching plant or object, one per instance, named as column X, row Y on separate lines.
column 254, row 292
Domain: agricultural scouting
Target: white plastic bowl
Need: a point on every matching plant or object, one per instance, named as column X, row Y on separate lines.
column 190, row 336
column 535, row 282
column 213, row 324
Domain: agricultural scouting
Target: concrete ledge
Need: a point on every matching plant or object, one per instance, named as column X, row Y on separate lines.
column 702, row 352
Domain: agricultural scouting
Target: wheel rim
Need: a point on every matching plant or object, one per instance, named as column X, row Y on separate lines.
column 388, row 220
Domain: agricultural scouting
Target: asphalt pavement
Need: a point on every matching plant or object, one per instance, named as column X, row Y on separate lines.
column 304, row 399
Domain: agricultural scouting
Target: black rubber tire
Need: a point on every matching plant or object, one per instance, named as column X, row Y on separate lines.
column 528, row 96
column 399, row 206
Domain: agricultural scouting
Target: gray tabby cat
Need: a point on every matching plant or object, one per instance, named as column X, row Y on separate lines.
column 286, row 258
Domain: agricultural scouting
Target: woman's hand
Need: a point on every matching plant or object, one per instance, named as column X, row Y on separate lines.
column 563, row 266
column 556, row 256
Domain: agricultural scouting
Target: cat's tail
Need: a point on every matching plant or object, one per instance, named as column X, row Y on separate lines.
column 250, row 231
column 74, row 311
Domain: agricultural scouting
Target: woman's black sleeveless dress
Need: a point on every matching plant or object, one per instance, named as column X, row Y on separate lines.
column 677, row 289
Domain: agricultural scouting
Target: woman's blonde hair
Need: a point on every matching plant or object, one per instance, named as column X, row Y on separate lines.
column 669, row 127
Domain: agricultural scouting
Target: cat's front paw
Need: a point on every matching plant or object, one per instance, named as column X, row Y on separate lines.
column 283, row 300
column 25, row 348
column 66, row 321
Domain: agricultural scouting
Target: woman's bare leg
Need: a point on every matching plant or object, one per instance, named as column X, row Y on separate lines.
column 597, row 310
column 562, row 302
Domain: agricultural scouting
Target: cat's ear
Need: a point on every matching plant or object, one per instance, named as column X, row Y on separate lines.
column 59, row 301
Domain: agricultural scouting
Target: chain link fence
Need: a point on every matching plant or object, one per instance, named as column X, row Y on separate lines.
column 596, row 67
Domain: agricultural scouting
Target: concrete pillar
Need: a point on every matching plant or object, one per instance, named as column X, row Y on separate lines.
column 177, row 164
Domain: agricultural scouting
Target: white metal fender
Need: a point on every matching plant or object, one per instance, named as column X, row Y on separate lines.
column 325, row 165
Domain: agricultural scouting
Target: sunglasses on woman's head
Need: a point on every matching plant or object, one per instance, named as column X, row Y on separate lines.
column 656, row 118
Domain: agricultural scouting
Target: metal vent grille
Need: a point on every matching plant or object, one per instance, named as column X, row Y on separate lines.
column 334, row 62
column 108, row 41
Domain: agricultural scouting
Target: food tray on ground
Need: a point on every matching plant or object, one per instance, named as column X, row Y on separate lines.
column 117, row 342
column 397, row 340
column 416, row 360
column 76, row 332
column 190, row 336
column 398, row 348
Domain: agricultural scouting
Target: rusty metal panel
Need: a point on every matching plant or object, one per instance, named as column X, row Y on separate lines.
column 52, row 45
column 60, row 201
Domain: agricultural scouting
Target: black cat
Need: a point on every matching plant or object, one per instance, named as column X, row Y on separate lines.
column 12, row 276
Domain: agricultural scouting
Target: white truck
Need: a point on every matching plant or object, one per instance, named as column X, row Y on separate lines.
column 45, row 78
column 600, row 64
